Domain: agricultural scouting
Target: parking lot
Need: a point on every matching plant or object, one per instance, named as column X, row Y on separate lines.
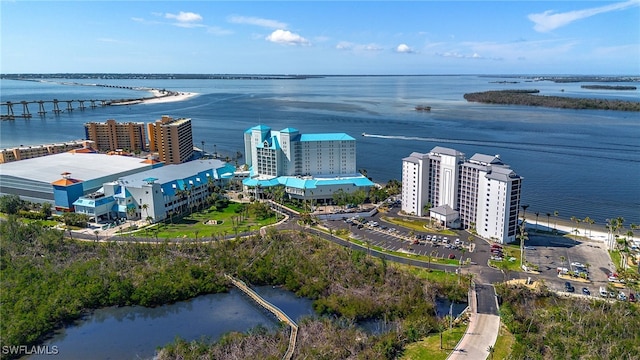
column 385, row 236
column 552, row 252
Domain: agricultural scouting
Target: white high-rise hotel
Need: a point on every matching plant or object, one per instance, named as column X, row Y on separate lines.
column 309, row 166
column 481, row 192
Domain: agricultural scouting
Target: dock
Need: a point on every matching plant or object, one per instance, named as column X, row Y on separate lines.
column 279, row 314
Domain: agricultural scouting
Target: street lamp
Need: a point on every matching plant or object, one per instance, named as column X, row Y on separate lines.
column 523, row 233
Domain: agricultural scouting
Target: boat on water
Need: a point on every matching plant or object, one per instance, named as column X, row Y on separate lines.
column 423, row 108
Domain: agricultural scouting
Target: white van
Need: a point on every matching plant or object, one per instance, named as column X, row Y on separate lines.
column 603, row 291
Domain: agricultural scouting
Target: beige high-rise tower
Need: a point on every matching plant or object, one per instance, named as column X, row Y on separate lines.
column 112, row 135
column 172, row 139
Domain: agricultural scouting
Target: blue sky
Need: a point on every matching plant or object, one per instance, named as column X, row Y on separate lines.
column 329, row 37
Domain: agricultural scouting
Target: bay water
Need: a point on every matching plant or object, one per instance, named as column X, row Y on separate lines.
column 577, row 162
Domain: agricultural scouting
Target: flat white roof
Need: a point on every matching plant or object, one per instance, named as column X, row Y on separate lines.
column 81, row 166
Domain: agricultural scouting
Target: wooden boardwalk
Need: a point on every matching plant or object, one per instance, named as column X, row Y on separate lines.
column 274, row 310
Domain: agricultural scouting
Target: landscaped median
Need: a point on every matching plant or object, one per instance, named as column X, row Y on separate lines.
column 416, row 225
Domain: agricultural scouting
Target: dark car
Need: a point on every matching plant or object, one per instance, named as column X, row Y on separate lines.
column 632, row 297
column 568, row 287
column 586, row 291
column 451, row 256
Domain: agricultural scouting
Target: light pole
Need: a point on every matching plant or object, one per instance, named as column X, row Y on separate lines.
column 523, row 234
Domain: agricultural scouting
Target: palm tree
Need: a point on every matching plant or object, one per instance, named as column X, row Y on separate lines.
column 491, row 350
column 555, row 214
column 537, row 213
column 426, row 209
column 562, row 259
column 588, row 221
column 548, row 220
column 96, row 232
column 145, row 207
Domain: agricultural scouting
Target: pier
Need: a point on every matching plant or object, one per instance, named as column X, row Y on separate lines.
column 279, row 314
column 55, row 107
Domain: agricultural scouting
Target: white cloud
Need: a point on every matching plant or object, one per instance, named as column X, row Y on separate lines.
column 287, row 37
column 404, row 49
column 549, row 20
column 251, row 20
column 345, row 45
column 185, row 19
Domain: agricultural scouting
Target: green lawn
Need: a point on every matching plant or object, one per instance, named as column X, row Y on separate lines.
column 505, row 341
column 196, row 225
column 415, row 224
column 429, row 347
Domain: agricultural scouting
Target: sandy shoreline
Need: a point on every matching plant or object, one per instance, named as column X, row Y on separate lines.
column 159, row 96
column 168, row 96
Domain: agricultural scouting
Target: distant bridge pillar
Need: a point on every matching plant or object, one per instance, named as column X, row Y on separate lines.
column 41, row 109
column 81, row 107
column 104, row 102
column 93, row 104
column 69, row 106
column 25, row 109
column 56, row 108
column 10, row 110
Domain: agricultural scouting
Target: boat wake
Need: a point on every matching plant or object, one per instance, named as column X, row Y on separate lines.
column 545, row 148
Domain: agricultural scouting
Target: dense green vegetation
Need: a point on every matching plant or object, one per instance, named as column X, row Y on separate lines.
column 47, row 281
column 525, row 97
column 547, row 326
column 608, row 87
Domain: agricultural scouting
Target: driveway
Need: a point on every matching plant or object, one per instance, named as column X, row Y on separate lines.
column 484, row 324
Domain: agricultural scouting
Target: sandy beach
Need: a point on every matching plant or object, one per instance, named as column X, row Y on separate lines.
column 168, row 96
column 159, row 96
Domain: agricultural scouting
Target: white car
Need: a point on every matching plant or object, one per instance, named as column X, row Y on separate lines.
column 577, row 264
column 622, row 296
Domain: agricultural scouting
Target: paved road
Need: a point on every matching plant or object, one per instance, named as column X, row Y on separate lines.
column 484, row 324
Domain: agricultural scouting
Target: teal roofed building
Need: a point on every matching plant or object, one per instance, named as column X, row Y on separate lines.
column 307, row 165
column 157, row 194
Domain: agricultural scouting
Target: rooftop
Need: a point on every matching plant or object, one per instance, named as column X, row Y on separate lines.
column 81, row 166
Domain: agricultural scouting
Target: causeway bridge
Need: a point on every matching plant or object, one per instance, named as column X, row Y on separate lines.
column 274, row 310
column 58, row 106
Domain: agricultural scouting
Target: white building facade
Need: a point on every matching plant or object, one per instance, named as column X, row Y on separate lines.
column 289, row 153
column 483, row 191
column 308, row 165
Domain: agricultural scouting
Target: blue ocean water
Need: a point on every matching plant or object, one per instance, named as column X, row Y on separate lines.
column 577, row 162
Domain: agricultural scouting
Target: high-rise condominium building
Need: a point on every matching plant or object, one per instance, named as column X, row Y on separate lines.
column 289, row 153
column 111, row 135
column 172, row 139
column 483, row 192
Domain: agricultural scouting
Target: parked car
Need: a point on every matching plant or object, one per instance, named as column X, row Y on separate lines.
column 586, row 291
column 451, row 256
column 603, row 291
column 622, row 296
column 568, row 287
column 632, row 297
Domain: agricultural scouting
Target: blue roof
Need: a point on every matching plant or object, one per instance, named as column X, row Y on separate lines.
column 325, row 137
column 93, row 202
column 312, row 183
column 289, row 130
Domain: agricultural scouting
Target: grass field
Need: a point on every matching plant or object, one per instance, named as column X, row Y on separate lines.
column 429, row 347
column 197, row 225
